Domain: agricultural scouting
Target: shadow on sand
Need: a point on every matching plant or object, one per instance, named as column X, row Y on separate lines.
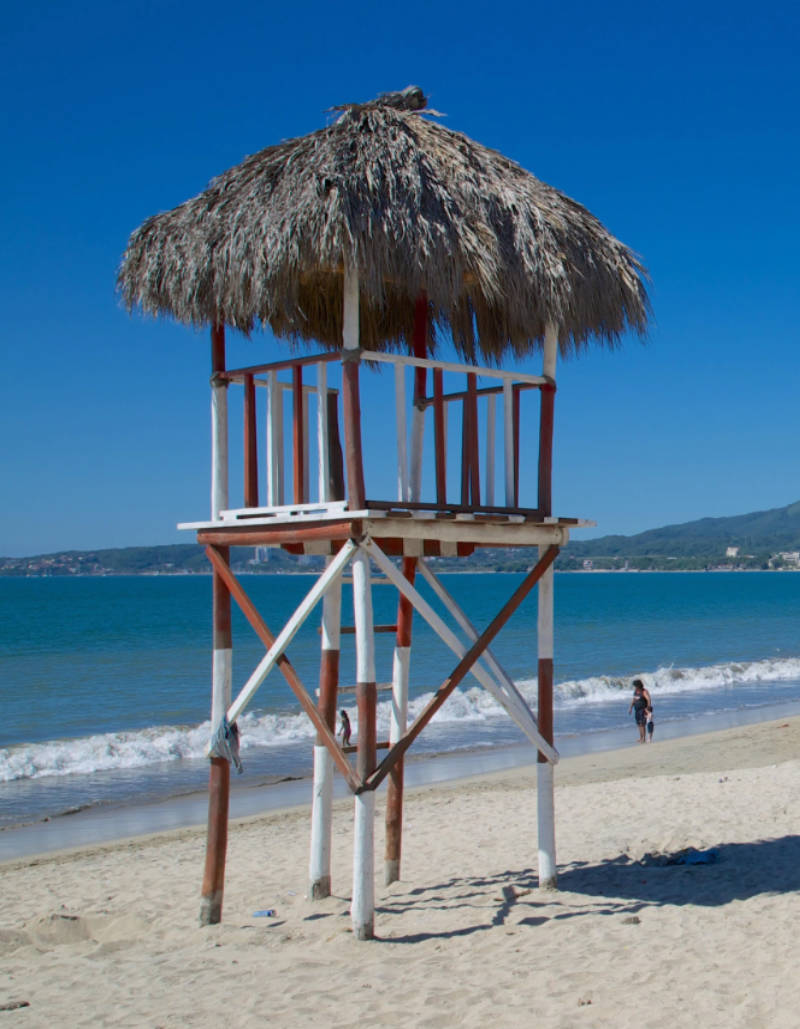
column 619, row 886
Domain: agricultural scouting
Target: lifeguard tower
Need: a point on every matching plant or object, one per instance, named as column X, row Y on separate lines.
column 376, row 238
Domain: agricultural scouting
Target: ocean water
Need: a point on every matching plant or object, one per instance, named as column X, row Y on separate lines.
column 105, row 683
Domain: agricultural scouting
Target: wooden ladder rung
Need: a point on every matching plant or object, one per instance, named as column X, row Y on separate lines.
column 382, row 687
column 375, row 580
column 348, row 630
column 384, row 745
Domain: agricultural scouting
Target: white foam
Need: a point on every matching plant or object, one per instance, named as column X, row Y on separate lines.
column 138, row 749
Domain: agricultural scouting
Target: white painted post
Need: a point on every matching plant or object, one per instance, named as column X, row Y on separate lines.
column 363, row 905
column 508, row 433
column 274, row 441
column 550, row 355
column 322, row 432
column 400, row 419
column 322, row 797
column 222, row 660
column 491, row 417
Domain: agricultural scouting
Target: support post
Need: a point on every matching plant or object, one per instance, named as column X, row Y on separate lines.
column 400, row 673
column 545, row 806
column 298, row 436
column 548, row 392
column 250, row 444
column 219, row 424
column 351, row 404
column 322, row 798
column 363, row 904
column 221, row 676
column 405, row 611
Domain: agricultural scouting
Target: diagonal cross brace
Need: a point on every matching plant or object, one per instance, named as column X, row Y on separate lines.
column 276, row 645
column 514, row 704
column 462, row 668
column 502, row 687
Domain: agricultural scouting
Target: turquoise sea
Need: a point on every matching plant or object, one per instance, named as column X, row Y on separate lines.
column 105, row 682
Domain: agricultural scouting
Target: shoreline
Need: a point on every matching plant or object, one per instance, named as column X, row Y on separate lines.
column 112, row 824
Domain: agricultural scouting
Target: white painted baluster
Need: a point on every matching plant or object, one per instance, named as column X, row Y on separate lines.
column 400, row 418
column 508, row 426
column 274, row 441
column 322, row 431
column 491, row 415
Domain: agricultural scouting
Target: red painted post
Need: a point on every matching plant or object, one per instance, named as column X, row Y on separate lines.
column 544, row 712
column 394, row 787
column 545, row 501
column 250, row 444
column 298, row 425
column 217, row 349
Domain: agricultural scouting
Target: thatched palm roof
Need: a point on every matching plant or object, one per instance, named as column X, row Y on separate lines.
column 416, row 207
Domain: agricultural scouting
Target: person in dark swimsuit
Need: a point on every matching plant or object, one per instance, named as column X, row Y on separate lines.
column 641, row 705
column 345, row 728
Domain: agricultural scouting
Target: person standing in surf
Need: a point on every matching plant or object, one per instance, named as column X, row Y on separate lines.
column 345, row 728
column 640, row 705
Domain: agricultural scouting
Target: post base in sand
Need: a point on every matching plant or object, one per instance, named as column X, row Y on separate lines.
column 211, row 909
column 321, row 888
column 391, row 872
column 364, row 932
column 551, row 883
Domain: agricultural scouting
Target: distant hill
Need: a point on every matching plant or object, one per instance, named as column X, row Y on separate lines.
column 759, row 537
column 175, row 559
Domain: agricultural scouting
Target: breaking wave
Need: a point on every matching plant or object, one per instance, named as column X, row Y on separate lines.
column 148, row 747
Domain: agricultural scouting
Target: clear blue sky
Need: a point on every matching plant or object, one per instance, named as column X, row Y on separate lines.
column 676, row 124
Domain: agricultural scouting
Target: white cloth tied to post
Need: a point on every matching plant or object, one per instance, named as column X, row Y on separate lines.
column 225, row 744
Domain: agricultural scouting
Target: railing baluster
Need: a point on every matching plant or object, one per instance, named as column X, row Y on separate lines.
column 516, row 445
column 306, row 449
column 474, row 466
column 298, row 445
column 400, row 419
column 491, row 415
column 250, row 444
column 274, row 440
column 439, row 435
column 323, row 458
column 465, row 451
column 508, row 440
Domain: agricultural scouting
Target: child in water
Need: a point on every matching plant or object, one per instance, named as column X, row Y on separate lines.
column 650, row 725
column 345, row 728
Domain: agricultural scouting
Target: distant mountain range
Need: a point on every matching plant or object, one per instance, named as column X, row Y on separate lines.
column 763, row 539
column 759, row 537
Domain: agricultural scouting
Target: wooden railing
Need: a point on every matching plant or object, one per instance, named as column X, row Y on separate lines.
column 467, row 465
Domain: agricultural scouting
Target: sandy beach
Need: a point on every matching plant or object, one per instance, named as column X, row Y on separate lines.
column 110, row 935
